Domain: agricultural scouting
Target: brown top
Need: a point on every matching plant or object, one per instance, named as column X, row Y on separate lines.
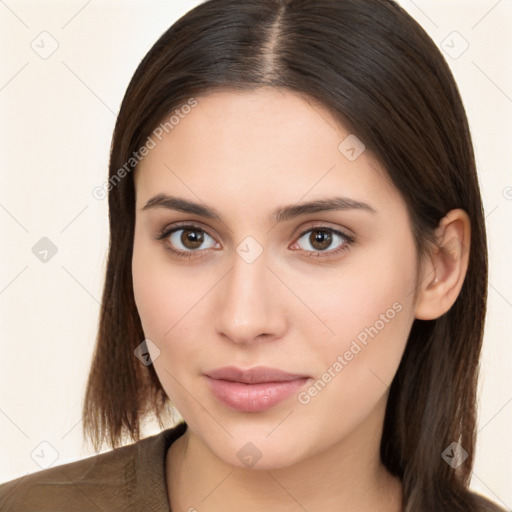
column 128, row 478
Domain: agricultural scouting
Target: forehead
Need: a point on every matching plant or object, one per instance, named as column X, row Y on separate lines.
column 268, row 145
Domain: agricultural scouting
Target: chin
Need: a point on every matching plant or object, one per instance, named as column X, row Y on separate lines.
column 260, row 452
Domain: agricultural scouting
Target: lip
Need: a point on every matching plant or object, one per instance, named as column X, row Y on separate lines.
column 254, row 389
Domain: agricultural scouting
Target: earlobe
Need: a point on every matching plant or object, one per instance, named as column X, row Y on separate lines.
column 445, row 269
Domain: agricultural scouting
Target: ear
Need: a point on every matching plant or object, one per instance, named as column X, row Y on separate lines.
column 444, row 269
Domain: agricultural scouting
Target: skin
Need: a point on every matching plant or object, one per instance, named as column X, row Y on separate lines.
column 245, row 154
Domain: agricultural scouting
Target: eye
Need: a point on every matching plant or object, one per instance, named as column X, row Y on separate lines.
column 185, row 240
column 193, row 241
column 322, row 239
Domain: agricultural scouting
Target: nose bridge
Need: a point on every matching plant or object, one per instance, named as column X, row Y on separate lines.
column 248, row 306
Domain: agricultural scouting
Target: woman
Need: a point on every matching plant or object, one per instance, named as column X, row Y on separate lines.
column 297, row 262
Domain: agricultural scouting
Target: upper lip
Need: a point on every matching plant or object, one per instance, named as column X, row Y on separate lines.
column 256, row 375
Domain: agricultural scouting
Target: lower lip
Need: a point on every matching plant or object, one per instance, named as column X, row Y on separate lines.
column 253, row 397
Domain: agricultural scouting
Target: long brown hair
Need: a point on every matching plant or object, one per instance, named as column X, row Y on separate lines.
column 377, row 70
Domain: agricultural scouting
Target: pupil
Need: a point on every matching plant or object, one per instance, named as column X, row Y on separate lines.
column 192, row 239
column 321, row 239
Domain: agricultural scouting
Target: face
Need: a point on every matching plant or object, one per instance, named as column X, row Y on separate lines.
column 275, row 325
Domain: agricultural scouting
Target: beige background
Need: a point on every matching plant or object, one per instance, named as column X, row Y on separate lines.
column 57, row 114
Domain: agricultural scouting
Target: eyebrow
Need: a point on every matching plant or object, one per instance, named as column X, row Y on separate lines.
column 281, row 214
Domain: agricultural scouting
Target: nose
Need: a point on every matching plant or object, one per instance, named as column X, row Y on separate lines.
column 250, row 304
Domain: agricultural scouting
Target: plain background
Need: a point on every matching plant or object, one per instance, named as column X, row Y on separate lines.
column 57, row 116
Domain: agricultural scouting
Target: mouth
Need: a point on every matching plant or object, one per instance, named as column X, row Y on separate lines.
column 255, row 389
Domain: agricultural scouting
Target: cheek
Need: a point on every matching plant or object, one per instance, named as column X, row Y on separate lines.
column 371, row 297
column 375, row 309
column 160, row 290
column 169, row 300
column 148, row 288
column 371, row 312
column 163, row 296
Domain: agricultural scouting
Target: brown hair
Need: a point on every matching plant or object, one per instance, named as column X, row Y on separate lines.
column 376, row 69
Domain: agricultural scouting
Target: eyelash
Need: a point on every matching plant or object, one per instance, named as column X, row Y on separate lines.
column 166, row 232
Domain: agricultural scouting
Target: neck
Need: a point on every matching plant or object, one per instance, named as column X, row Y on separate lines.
column 348, row 476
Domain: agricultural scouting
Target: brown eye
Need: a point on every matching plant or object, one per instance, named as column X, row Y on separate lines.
column 320, row 240
column 323, row 240
column 190, row 239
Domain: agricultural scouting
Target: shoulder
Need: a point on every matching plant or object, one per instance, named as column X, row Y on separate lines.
column 484, row 504
column 114, row 480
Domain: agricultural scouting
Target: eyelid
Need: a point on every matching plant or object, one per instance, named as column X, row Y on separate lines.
column 170, row 228
column 347, row 233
